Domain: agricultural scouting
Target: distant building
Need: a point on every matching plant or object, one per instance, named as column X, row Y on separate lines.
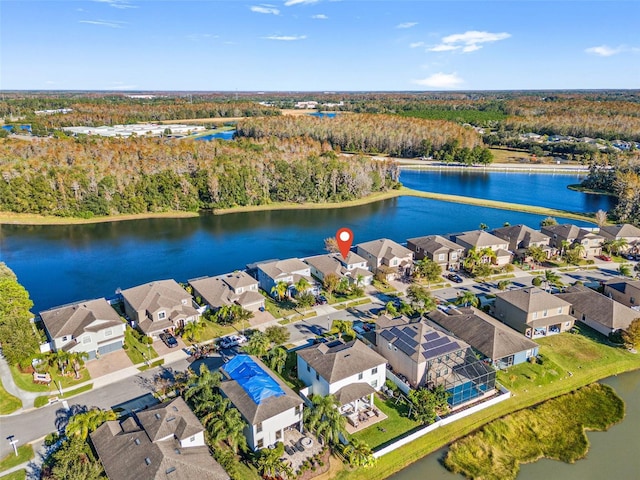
column 625, row 291
column 62, row 111
column 138, row 129
column 592, row 242
column 265, row 402
column 162, row 442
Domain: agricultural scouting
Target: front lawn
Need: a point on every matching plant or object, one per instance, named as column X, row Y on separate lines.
column 25, row 380
column 8, row 403
column 396, row 425
column 210, row 331
column 339, row 297
column 43, row 400
column 137, row 351
column 278, row 309
column 17, row 475
column 25, row 453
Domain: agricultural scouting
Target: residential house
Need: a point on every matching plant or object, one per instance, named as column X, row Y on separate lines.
column 592, row 242
column 164, row 441
column 479, row 240
column 625, row 291
column 232, row 288
column 500, row 344
column 533, row 312
column 598, row 311
column 351, row 371
column 386, row 257
column 92, row 326
column 158, row 306
column 265, row 402
column 289, row 271
column 521, row 237
column 628, row 232
column 354, row 267
column 444, row 252
column 426, row 356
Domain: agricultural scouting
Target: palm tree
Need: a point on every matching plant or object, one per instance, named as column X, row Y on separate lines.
column 624, row 270
column 390, row 309
column 488, row 255
column 319, row 409
column 564, row 247
column 302, row 285
column 359, row 280
column 193, row 330
column 206, row 384
column 77, row 361
column 277, row 358
column 467, row 298
column 537, row 253
column 619, row 244
column 551, row 278
column 359, row 454
column 228, row 426
column 471, row 260
column 344, row 327
column 343, row 285
column 331, row 426
column 271, row 465
column 82, row 424
column 258, row 345
column 209, row 410
column 59, row 358
column 503, row 284
column 280, row 289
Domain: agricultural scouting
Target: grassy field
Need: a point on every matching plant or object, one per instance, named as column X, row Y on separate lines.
column 8, row 403
column 34, row 219
column 564, row 352
column 43, row 400
column 17, row 475
column 397, row 423
column 25, row 453
column 25, row 380
column 501, row 155
column 136, row 350
column 554, row 429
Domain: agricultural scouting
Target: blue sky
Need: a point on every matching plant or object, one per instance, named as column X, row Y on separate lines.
column 320, row 45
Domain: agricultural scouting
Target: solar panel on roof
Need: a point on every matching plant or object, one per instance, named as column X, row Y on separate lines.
column 436, row 352
column 410, row 331
column 431, row 336
column 406, row 349
column 436, row 343
column 409, row 341
column 396, row 331
column 387, row 335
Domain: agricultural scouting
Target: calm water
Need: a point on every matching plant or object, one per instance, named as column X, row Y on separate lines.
column 545, row 190
column 614, row 454
column 228, row 135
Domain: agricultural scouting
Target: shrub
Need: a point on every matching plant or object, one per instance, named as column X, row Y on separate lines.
column 51, row 439
column 148, row 340
column 590, row 261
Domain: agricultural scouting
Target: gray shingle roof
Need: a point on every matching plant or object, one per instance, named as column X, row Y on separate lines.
column 279, row 268
column 154, row 295
column 326, row 264
column 127, row 451
column 385, row 248
column 269, row 407
column 353, row 391
column 433, row 243
column 484, row 333
column 532, row 299
column 620, row 231
column 599, row 308
column 341, row 361
column 352, row 258
column 480, row 239
column 518, row 234
column 621, row 284
column 75, row 319
column 570, row 232
column 174, row 418
column 221, row 290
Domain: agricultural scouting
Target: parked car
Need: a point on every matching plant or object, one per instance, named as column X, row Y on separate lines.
column 169, row 340
column 606, row 258
column 321, row 300
column 232, row 341
column 454, row 277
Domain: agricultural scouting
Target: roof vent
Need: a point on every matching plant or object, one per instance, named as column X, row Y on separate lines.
column 158, row 416
column 170, row 470
column 175, row 408
column 171, row 419
column 137, row 441
column 147, row 461
column 177, row 450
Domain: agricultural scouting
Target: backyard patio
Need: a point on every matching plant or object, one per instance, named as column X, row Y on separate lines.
column 299, row 447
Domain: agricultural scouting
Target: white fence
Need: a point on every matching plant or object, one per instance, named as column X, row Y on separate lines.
column 504, row 395
column 404, row 388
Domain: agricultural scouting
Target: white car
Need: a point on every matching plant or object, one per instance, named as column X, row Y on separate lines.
column 232, row 341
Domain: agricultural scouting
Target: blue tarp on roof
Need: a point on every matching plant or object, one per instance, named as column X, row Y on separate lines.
column 253, row 379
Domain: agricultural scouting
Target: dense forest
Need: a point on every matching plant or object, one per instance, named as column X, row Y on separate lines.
column 106, row 176
column 388, row 134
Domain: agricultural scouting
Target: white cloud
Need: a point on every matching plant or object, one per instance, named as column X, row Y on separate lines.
column 605, row 51
column 285, row 38
column 266, row 9
column 121, row 4
column 320, row 16
column 440, row 80
column 416, row 44
column 468, row 42
column 407, row 25
column 289, row 3
column 103, row 23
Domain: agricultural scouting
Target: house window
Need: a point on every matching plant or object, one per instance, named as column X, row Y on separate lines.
column 297, row 410
column 544, row 314
column 632, row 300
column 374, row 384
column 374, row 370
column 441, row 257
column 529, row 353
column 560, row 310
column 454, row 255
column 317, row 376
column 86, row 339
column 535, row 315
column 108, row 332
column 65, row 338
column 279, row 435
column 360, row 375
column 162, row 315
column 394, row 262
column 192, row 439
column 259, row 428
column 308, row 368
column 260, row 443
column 437, row 374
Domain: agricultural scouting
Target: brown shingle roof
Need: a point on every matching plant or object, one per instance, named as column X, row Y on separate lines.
column 433, row 243
column 75, row 319
column 341, row 361
column 174, row 418
column 599, row 308
column 326, row 264
column 385, row 248
column 353, row 391
column 484, row 333
column 480, row 239
column 520, row 234
column 279, row 268
column 531, row 299
column 155, row 295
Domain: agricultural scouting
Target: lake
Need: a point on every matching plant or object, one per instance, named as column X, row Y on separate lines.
column 612, row 454
column 227, row 135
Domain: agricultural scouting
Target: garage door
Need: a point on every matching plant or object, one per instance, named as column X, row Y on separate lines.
column 112, row 347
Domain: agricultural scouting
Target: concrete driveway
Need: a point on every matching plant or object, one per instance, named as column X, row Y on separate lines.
column 162, row 349
column 109, row 363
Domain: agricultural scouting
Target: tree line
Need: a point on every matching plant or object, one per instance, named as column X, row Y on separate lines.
column 107, row 176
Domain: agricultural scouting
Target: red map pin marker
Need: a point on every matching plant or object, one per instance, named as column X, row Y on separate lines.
column 344, row 237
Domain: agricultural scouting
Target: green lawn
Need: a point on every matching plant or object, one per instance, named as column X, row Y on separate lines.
column 396, row 425
column 211, row 330
column 383, row 287
column 565, row 351
column 555, row 429
column 17, row 475
column 289, row 372
column 43, row 400
column 278, row 309
column 25, row 453
column 8, row 403
column 338, row 297
column 136, row 350
column 25, row 380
